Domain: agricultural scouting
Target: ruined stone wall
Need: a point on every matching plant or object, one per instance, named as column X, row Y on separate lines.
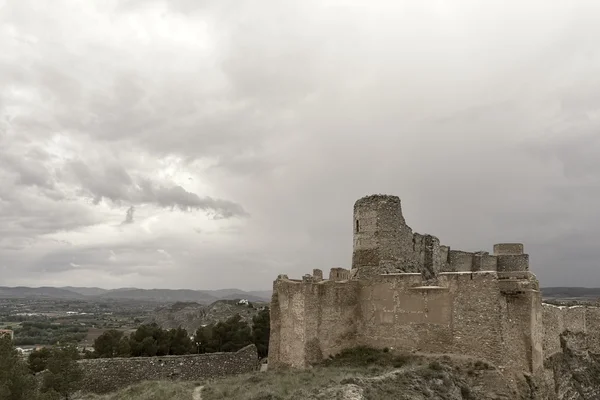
column 576, row 319
column 382, row 240
column 384, row 243
column 110, row 374
column 287, row 340
column 311, row 319
column 408, row 291
column 578, row 329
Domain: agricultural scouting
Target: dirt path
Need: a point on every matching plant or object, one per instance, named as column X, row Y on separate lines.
column 197, row 395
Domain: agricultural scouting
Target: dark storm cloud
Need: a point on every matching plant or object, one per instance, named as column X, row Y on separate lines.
column 129, row 215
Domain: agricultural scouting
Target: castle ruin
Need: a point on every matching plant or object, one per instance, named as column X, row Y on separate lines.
column 409, row 292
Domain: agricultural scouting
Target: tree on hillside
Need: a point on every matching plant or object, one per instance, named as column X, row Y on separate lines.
column 230, row 335
column 16, row 383
column 38, row 359
column 261, row 329
column 111, row 344
column 63, row 373
column 180, row 342
column 149, row 340
column 203, row 339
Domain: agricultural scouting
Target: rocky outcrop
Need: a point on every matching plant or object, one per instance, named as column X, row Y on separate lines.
column 574, row 372
column 192, row 316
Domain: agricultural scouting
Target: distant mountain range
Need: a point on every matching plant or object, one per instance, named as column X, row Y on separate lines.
column 154, row 295
column 571, row 293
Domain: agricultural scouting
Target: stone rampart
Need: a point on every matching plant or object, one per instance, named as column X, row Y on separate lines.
column 464, row 313
column 110, row 374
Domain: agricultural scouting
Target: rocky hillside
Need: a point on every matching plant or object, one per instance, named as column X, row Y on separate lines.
column 191, row 315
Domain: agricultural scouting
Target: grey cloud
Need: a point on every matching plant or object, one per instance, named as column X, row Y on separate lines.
column 126, row 260
column 176, row 196
column 114, row 183
column 28, row 215
column 28, row 166
column 295, row 109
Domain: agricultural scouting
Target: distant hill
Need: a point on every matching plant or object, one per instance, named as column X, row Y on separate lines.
column 571, row 293
column 86, row 291
column 40, row 292
column 152, row 295
column 160, row 295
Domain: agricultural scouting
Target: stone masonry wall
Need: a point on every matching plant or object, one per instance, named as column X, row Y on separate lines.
column 465, row 314
column 576, row 319
column 581, row 323
column 110, row 374
column 311, row 320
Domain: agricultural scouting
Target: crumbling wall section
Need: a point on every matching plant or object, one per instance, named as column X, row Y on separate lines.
column 109, row 374
column 288, row 324
column 522, row 330
column 382, row 240
column 311, row 319
column 576, row 319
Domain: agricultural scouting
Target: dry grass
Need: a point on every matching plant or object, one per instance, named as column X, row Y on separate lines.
column 158, row 390
column 295, row 385
column 288, row 385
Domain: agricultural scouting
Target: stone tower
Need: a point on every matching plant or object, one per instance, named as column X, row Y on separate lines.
column 382, row 240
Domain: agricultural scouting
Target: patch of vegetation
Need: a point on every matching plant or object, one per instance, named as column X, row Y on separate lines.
column 155, row 390
column 41, row 332
column 60, row 380
column 288, row 385
column 366, row 356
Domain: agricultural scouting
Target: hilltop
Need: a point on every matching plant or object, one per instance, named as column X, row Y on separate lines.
column 191, row 315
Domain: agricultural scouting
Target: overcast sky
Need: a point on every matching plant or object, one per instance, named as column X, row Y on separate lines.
column 213, row 144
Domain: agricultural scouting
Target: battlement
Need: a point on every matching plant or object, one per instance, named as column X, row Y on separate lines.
column 409, row 291
column 335, row 275
column 508, row 249
column 384, row 243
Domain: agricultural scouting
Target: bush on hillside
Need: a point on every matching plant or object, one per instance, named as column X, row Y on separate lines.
column 361, row 356
column 16, row 383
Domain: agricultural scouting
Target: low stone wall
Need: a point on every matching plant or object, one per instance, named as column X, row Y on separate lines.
column 110, row 374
